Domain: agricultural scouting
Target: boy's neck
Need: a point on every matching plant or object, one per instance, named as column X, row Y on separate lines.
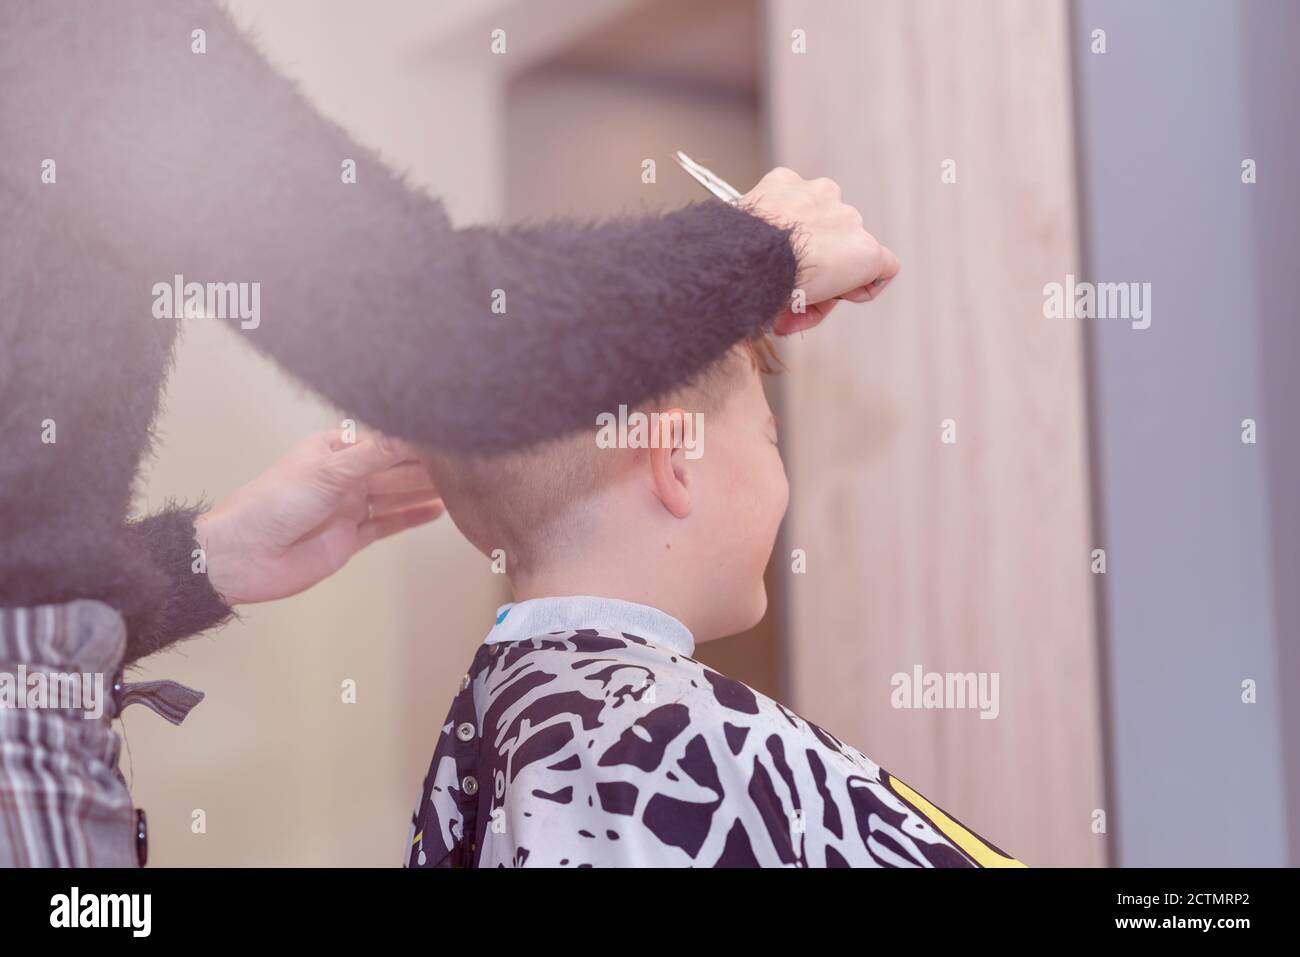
column 558, row 614
column 572, row 582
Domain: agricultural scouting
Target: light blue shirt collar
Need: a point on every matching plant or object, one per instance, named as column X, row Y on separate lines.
column 539, row 616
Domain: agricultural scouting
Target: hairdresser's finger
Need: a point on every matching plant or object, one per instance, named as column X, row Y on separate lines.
column 876, row 288
column 337, row 442
column 381, row 527
column 823, row 309
column 861, row 294
column 403, row 477
column 374, row 453
column 889, row 267
column 790, row 322
column 382, row 504
column 313, row 446
column 886, row 271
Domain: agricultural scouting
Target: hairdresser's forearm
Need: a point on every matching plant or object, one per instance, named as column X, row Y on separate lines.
column 595, row 316
column 489, row 339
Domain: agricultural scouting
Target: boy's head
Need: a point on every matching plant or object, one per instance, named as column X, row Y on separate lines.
column 674, row 503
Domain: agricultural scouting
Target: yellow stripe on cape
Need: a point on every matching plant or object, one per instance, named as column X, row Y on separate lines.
column 982, row 853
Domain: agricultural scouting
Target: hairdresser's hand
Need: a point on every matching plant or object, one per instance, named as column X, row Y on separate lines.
column 838, row 258
column 300, row 521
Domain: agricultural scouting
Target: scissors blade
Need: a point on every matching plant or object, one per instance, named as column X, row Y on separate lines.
column 710, row 180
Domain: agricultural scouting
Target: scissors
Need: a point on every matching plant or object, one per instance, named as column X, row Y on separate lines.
column 718, row 186
column 710, row 180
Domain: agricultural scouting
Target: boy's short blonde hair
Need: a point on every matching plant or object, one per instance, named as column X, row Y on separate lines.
column 517, row 501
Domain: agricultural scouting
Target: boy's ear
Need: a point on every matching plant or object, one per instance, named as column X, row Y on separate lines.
column 668, row 472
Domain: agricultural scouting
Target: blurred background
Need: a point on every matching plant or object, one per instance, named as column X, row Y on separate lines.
column 997, row 146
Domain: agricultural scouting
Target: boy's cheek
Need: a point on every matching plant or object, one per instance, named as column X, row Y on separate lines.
column 774, row 508
column 780, row 498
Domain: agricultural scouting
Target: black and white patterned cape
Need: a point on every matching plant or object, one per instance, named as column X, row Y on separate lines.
column 610, row 746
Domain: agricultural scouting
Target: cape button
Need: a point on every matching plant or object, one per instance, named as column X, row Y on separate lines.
column 141, row 838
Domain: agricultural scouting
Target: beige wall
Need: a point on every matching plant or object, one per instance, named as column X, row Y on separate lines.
column 957, row 558
column 963, row 558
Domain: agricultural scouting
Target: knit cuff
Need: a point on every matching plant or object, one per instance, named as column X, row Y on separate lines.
column 190, row 604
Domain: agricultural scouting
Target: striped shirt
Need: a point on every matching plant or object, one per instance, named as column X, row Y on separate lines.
column 63, row 801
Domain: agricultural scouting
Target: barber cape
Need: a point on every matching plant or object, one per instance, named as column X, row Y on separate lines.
column 585, row 735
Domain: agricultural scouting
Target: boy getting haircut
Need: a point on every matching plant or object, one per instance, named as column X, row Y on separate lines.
column 584, row 733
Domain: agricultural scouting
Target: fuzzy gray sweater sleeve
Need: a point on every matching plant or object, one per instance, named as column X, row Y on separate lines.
column 213, row 166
